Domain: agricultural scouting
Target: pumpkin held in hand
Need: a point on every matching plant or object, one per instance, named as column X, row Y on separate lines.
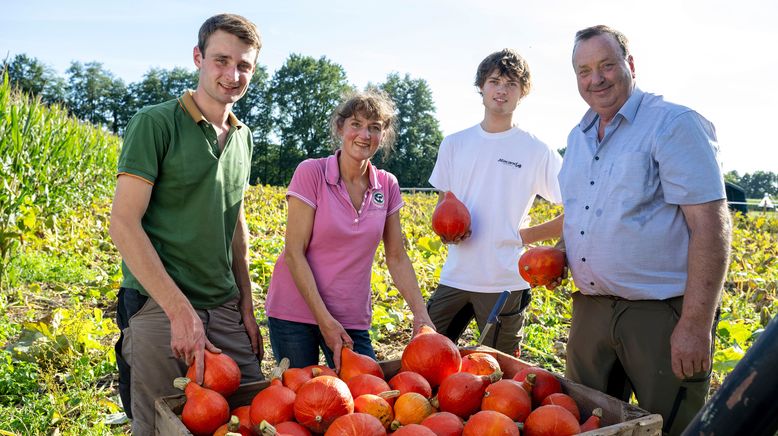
column 540, row 266
column 221, row 373
column 450, row 220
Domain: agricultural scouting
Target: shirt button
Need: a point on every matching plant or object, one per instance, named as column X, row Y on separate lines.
column 583, row 259
column 582, row 232
column 356, row 220
column 592, row 182
column 587, row 208
column 596, row 157
column 591, row 283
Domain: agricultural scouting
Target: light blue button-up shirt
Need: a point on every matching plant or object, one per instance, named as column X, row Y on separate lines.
column 624, row 230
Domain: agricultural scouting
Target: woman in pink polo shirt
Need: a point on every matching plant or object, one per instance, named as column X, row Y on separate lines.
column 340, row 208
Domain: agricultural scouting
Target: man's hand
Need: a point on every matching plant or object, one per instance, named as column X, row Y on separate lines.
column 458, row 239
column 252, row 329
column 421, row 319
column 336, row 338
column 557, row 282
column 690, row 348
column 188, row 340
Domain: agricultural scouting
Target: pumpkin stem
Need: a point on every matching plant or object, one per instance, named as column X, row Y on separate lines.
column 181, row 382
column 435, row 403
column 389, row 394
column 495, row 376
column 597, row 412
column 267, row 429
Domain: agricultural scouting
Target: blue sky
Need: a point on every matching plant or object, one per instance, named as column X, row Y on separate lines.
column 713, row 56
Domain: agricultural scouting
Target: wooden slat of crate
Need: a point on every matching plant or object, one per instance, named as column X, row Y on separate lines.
column 619, row 418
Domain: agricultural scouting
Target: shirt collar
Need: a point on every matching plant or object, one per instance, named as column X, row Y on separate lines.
column 628, row 111
column 332, row 172
column 189, row 105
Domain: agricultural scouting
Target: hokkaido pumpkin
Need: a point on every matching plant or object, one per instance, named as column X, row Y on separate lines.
column 565, row 401
column 540, row 266
column 411, row 408
column 233, row 426
column 293, row 378
column 551, row 420
column 275, row 403
column 288, row 428
column 205, row 410
column 450, row 220
column 409, row 381
column 377, row 406
column 462, row 393
column 545, row 383
column 356, row 424
column 367, row 384
column 320, row 400
column 479, row 364
column 432, row 355
column 490, row 423
column 318, row 370
column 444, row 424
column 413, row 430
column 244, row 415
column 353, row 364
column 221, row 373
column 593, row 422
column 509, row 398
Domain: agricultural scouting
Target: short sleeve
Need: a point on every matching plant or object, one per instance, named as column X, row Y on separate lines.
column 550, row 177
column 394, row 196
column 439, row 178
column 143, row 147
column 306, row 181
column 685, row 152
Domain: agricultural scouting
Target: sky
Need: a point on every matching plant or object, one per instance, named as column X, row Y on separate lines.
column 710, row 55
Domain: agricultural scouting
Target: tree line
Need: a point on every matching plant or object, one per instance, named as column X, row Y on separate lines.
column 288, row 112
column 755, row 185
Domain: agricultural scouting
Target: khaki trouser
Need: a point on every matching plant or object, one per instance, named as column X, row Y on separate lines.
column 451, row 310
column 146, row 348
column 619, row 346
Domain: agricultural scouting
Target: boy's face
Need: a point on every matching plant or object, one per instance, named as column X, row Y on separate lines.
column 501, row 94
column 226, row 67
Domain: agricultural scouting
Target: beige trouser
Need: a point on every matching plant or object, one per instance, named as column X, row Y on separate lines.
column 451, row 310
column 619, row 346
column 146, row 348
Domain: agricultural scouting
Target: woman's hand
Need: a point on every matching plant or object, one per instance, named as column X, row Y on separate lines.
column 336, row 338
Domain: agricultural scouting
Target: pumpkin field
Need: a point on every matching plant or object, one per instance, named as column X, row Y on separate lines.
column 60, row 274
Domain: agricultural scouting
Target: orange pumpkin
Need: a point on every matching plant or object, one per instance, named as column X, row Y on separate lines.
column 320, row 401
column 565, row 401
column 451, row 218
column 409, row 381
column 356, row 424
column 411, row 408
column 444, row 424
column 462, row 393
column 233, row 426
column 205, row 410
column 490, row 423
column 509, row 398
column 353, row 364
column 545, row 383
column 367, row 384
column 593, row 422
column 221, row 373
column 275, row 403
column 432, row 355
column 288, row 428
column 244, row 415
column 375, row 405
column 551, row 420
column 413, row 430
column 540, row 266
column 479, row 364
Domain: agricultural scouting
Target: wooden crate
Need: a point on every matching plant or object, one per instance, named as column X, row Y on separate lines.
column 618, row 417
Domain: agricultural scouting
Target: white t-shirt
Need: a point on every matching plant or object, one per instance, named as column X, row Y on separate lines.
column 497, row 176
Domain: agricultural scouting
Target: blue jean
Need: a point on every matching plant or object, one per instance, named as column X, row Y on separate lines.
column 300, row 342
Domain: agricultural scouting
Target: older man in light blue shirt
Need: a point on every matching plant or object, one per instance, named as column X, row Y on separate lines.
column 647, row 236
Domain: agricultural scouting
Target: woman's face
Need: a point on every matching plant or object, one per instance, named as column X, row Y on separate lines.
column 361, row 137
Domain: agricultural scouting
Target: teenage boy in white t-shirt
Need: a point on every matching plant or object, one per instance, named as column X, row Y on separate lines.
column 496, row 170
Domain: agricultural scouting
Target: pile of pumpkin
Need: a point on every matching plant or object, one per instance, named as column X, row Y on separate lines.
column 471, row 398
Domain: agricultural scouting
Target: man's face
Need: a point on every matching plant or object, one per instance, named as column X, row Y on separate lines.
column 501, row 94
column 226, row 67
column 605, row 77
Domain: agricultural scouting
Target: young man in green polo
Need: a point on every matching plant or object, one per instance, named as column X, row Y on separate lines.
column 179, row 225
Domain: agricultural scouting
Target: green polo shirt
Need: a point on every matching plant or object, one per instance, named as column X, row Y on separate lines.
column 196, row 196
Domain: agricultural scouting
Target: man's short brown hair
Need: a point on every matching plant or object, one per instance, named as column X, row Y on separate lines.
column 600, row 29
column 233, row 24
column 507, row 62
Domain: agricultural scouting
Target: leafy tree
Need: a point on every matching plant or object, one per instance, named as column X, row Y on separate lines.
column 35, row 78
column 759, row 183
column 93, row 94
column 303, row 93
column 732, row 177
column 418, row 131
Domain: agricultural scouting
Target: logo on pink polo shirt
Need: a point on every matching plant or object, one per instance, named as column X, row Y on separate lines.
column 378, row 198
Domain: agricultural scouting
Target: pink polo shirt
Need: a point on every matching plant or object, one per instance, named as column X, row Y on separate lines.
column 342, row 247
